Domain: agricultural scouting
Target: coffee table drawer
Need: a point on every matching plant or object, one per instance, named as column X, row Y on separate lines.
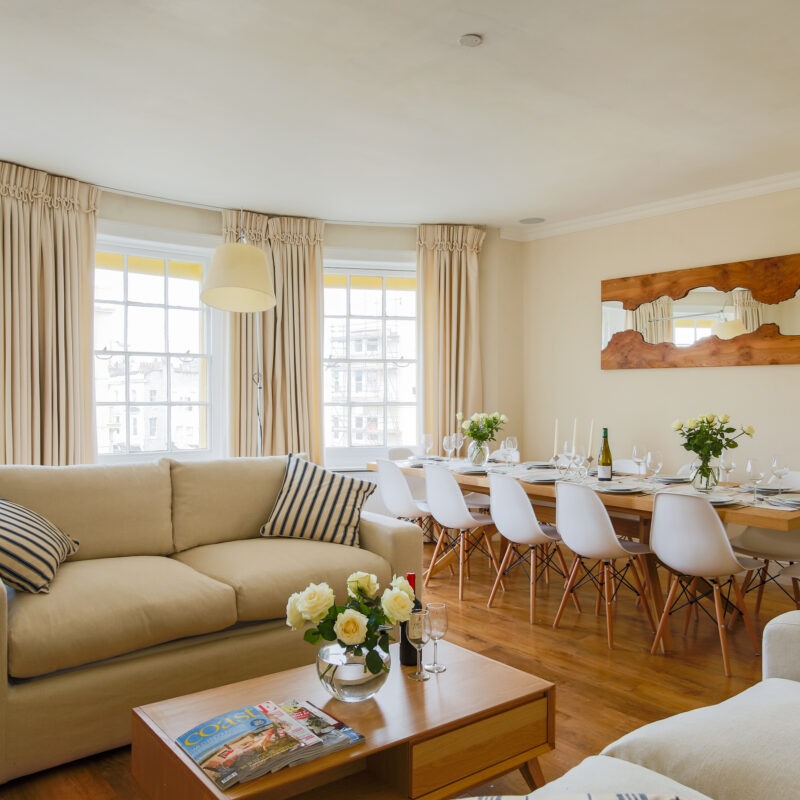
column 443, row 759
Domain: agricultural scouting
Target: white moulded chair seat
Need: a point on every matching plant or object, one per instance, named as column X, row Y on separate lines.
column 627, row 466
column 585, row 527
column 477, row 500
column 450, row 513
column 396, row 495
column 515, row 519
column 400, row 453
column 689, row 538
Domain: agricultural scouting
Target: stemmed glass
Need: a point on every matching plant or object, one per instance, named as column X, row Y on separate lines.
column 509, row 448
column 755, row 474
column 418, row 632
column 727, row 465
column 438, row 625
column 654, row 462
column 638, row 456
column 581, row 463
column 780, row 469
column 458, row 438
column 448, row 445
column 427, row 442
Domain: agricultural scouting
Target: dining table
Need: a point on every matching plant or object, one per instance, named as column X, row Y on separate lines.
column 630, row 515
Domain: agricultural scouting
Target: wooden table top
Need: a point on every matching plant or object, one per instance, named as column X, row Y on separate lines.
column 640, row 505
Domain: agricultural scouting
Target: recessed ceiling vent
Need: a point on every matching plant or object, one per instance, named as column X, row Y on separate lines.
column 470, row 40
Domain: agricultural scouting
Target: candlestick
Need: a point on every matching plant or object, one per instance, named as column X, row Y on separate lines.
column 590, row 448
column 555, row 440
column 574, row 434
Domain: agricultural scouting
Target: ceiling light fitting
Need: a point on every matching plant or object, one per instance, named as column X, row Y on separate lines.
column 531, row 220
column 470, row 40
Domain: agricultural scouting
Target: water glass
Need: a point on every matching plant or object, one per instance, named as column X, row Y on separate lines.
column 427, row 442
column 727, row 465
column 459, row 441
column 448, row 445
column 638, row 457
column 780, row 469
column 418, row 633
column 438, row 626
column 654, row 462
column 509, row 448
column 755, row 475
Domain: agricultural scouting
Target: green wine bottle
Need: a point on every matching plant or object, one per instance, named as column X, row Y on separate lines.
column 604, row 459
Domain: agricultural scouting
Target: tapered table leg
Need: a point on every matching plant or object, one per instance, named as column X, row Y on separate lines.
column 532, row 773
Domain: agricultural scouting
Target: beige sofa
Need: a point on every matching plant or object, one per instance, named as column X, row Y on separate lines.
column 172, row 591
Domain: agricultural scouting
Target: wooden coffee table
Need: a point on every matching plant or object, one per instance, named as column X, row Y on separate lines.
column 430, row 740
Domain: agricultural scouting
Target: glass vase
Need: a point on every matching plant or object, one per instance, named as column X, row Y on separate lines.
column 705, row 478
column 478, row 453
column 345, row 675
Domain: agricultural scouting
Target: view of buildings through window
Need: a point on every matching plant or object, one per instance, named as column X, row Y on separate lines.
column 151, row 357
column 370, row 360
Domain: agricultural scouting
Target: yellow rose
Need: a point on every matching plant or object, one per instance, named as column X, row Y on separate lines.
column 710, row 417
column 723, row 418
column 749, row 430
column 294, row 619
column 397, row 605
column 677, row 425
column 364, row 581
column 691, row 423
column 351, row 627
column 315, row 601
column 701, row 418
column 399, row 582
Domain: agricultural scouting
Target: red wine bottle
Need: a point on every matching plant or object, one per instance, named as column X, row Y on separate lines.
column 408, row 653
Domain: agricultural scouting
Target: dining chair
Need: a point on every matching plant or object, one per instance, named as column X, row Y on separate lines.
column 583, row 523
column 627, row 466
column 688, row 537
column 396, row 494
column 515, row 519
column 470, row 530
column 400, row 453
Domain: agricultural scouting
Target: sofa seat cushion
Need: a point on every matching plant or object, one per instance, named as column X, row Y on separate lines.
column 264, row 572
column 604, row 776
column 740, row 749
column 105, row 607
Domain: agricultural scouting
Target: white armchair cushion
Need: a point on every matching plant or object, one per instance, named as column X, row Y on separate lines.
column 781, row 657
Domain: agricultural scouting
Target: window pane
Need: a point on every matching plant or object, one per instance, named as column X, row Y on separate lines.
column 401, row 425
column 401, row 382
column 366, row 426
column 335, row 300
column 401, row 338
column 185, row 334
column 111, row 431
column 145, row 280
column 335, row 338
column 146, row 329
column 152, row 428
column 366, row 295
column 109, row 379
column 109, row 326
column 336, row 426
column 366, row 382
column 108, row 284
column 366, row 337
column 188, row 380
column 188, row 427
column 335, row 383
column 400, row 303
column 183, row 283
column 148, row 379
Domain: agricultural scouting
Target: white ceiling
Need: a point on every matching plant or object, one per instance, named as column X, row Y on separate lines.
column 368, row 110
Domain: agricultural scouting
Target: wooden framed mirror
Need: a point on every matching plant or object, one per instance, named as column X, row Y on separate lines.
column 737, row 314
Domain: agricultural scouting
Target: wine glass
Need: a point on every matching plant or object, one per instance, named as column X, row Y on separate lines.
column 581, row 463
column 755, row 475
column 780, row 469
column 438, row 625
column 418, row 633
column 427, row 442
column 509, row 448
column 459, row 442
column 654, row 462
column 448, row 445
column 727, row 465
column 638, row 457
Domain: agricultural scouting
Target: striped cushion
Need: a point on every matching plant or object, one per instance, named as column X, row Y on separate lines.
column 31, row 548
column 314, row 503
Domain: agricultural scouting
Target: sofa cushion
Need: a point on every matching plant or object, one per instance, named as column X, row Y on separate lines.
column 219, row 501
column 106, row 607
column 740, row 749
column 111, row 511
column 264, row 572
column 315, row 503
column 601, row 774
column 31, row 548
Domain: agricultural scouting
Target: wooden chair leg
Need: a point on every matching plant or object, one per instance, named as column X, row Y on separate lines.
column 761, row 585
column 796, row 587
column 599, row 599
column 723, row 631
column 493, row 557
column 562, row 562
column 436, row 550
column 461, row 564
column 640, row 589
column 664, row 621
column 503, row 567
column 532, row 599
column 691, row 600
column 608, row 583
column 567, row 589
column 546, row 554
column 748, row 622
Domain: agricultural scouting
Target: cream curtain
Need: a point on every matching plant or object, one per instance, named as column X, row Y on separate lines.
column 653, row 320
column 447, row 266
column 748, row 311
column 47, row 241
column 290, row 336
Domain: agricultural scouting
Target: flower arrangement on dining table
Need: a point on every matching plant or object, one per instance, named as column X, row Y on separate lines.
column 708, row 436
column 360, row 626
column 481, row 428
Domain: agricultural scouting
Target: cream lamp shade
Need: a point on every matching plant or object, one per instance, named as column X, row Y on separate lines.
column 238, row 279
column 728, row 329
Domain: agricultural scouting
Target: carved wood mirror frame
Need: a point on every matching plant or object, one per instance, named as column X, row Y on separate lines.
column 770, row 280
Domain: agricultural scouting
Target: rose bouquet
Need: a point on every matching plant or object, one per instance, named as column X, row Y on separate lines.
column 481, row 428
column 361, row 625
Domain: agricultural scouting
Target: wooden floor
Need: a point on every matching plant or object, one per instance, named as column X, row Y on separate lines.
column 601, row 693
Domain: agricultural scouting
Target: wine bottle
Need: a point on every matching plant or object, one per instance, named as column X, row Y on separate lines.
column 408, row 653
column 604, row 459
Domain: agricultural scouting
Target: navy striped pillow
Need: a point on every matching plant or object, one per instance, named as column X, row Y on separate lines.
column 31, row 548
column 317, row 504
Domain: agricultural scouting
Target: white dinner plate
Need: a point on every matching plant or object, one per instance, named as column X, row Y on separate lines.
column 537, row 465
column 540, row 479
column 669, row 479
column 762, row 490
column 617, row 488
column 471, row 470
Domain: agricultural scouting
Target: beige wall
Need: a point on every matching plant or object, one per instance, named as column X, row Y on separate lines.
column 562, row 332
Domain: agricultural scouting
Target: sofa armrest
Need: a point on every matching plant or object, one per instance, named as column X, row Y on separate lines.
column 3, row 675
column 399, row 542
column 781, row 649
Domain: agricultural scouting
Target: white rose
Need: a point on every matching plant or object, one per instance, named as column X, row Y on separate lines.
column 724, row 418
column 677, row 425
column 691, row 423
column 397, row 605
column 701, row 418
column 465, row 426
column 315, row 601
column 710, row 417
column 503, row 418
column 351, row 626
column 294, row 619
column 399, row 582
column 749, row 430
column 459, row 416
column 476, row 417
column 364, row 581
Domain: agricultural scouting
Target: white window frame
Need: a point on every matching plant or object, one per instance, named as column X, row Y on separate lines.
column 174, row 245
column 386, row 264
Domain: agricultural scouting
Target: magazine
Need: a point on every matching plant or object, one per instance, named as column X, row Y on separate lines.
column 254, row 740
